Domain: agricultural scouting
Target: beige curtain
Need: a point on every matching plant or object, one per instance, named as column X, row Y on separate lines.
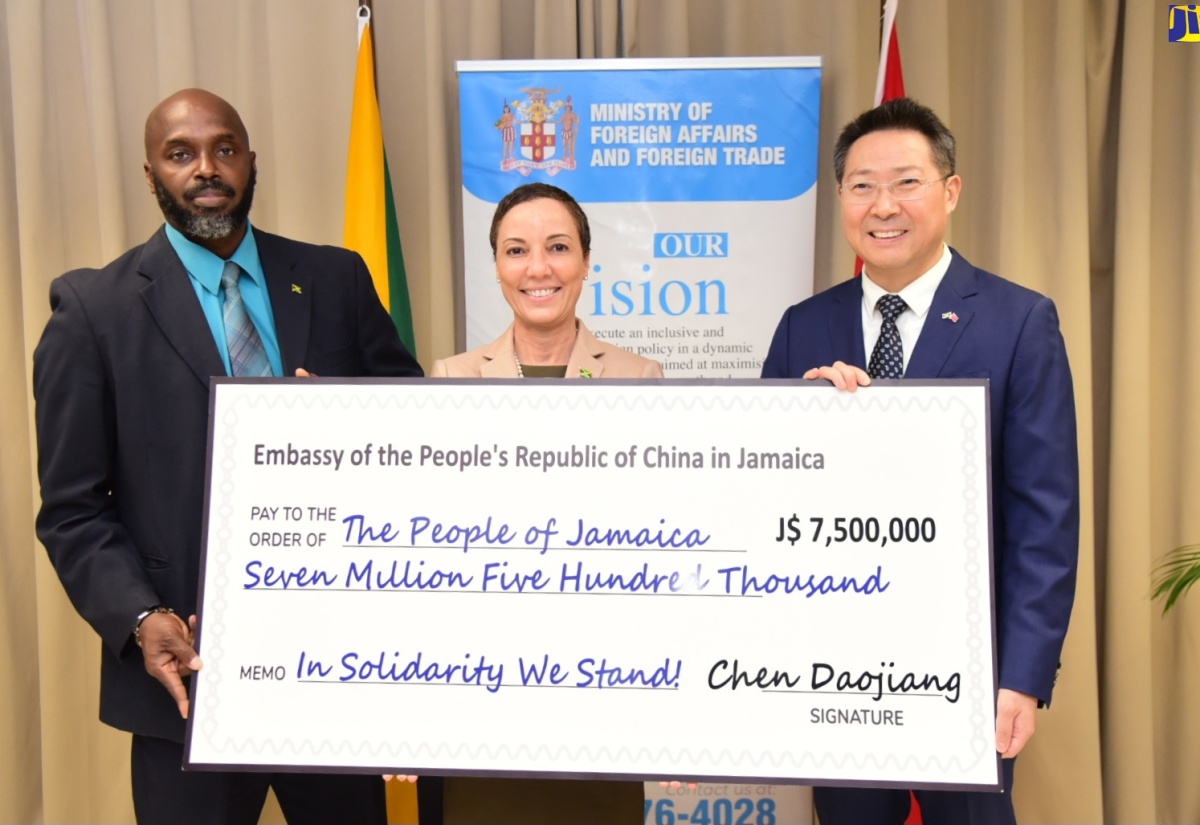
column 1078, row 129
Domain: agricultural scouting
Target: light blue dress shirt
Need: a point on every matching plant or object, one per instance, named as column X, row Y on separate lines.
column 204, row 269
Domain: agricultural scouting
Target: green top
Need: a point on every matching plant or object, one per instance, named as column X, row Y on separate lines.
column 559, row 371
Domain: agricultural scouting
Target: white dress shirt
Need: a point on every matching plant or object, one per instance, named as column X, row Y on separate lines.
column 919, row 297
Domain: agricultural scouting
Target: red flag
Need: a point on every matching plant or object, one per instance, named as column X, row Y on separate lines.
column 889, row 82
column 889, row 85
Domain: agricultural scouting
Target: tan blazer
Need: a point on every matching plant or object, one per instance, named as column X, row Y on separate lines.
column 497, row 360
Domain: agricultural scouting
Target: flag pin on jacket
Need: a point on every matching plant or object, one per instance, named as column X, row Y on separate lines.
column 296, row 289
column 952, row 317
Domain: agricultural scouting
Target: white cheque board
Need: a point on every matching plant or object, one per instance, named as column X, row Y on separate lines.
column 730, row 580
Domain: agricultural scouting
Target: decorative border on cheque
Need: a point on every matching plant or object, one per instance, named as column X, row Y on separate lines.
column 739, row 764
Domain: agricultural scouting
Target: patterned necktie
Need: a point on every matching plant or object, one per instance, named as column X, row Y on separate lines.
column 887, row 360
column 247, row 356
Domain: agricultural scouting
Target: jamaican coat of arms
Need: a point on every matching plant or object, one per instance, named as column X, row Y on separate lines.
column 538, row 132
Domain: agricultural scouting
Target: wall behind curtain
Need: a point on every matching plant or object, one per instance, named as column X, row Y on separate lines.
column 1077, row 129
column 1150, row 675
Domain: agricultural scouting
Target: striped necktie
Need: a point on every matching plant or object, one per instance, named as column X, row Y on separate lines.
column 247, row 356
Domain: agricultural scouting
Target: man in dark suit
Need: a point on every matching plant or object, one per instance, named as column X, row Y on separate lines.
column 121, row 381
column 923, row 311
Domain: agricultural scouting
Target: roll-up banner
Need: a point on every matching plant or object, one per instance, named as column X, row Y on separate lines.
column 698, row 177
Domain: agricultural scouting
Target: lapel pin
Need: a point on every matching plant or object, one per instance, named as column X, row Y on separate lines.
column 952, row 317
column 296, row 289
column 584, row 372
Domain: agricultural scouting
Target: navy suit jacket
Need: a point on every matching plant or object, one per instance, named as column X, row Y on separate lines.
column 1008, row 335
column 121, row 383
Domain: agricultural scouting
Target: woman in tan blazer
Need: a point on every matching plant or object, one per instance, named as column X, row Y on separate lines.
column 542, row 245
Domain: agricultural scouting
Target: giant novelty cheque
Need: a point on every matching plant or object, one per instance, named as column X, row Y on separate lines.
column 628, row 579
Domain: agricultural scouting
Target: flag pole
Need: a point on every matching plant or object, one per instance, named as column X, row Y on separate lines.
column 370, row 7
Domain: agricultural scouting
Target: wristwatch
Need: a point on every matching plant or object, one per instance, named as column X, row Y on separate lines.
column 145, row 614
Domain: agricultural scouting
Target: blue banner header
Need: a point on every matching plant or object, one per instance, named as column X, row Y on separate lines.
column 660, row 135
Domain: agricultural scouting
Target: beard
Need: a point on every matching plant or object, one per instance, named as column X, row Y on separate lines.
column 203, row 223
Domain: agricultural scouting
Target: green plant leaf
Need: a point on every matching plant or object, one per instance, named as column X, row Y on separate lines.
column 1176, row 573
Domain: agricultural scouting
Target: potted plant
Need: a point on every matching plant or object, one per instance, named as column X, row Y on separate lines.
column 1176, row 573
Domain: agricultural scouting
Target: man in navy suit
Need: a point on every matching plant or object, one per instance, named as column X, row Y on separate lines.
column 121, row 379
column 897, row 187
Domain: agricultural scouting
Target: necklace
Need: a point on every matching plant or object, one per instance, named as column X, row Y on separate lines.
column 520, row 372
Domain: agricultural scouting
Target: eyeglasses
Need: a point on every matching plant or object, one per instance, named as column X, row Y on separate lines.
column 902, row 189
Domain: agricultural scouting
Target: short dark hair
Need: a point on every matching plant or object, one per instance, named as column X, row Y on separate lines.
column 537, row 191
column 901, row 114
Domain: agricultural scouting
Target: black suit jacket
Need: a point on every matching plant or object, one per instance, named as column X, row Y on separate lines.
column 121, row 384
column 982, row 326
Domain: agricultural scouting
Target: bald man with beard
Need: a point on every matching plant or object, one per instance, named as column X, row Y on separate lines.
column 120, row 380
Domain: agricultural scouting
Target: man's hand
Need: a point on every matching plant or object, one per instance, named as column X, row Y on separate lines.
column 842, row 375
column 168, row 653
column 184, row 670
column 301, row 372
column 401, row 777
column 1016, row 717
